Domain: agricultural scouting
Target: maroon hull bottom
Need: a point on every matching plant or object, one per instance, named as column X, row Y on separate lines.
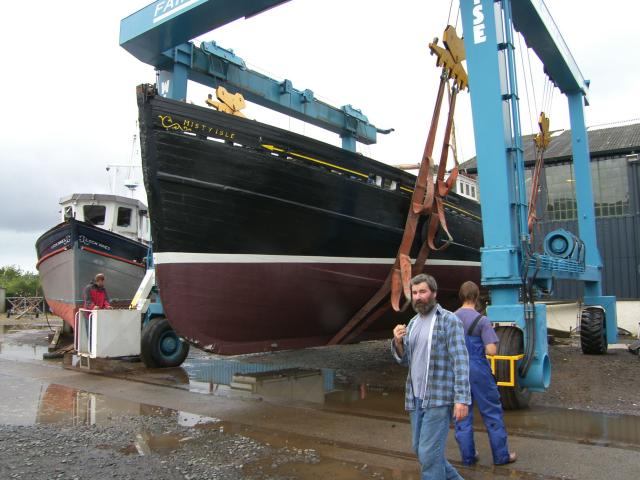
column 66, row 311
column 233, row 308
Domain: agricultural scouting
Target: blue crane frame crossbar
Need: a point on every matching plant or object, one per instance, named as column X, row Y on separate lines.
column 164, row 24
column 160, row 35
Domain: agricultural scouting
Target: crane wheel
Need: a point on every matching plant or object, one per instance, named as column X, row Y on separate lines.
column 160, row 346
column 511, row 343
column 593, row 332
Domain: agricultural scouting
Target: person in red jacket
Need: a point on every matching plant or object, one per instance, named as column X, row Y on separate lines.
column 95, row 295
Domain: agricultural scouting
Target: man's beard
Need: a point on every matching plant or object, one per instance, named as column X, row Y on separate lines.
column 423, row 308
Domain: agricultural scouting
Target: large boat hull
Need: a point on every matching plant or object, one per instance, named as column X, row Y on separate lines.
column 250, row 303
column 265, row 239
column 73, row 252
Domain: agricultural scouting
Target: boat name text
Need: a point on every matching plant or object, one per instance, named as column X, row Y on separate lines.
column 478, row 23
column 87, row 241
column 192, row 126
column 62, row 242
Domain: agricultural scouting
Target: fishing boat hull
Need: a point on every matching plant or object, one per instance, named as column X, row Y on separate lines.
column 270, row 303
column 265, row 239
column 73, row 252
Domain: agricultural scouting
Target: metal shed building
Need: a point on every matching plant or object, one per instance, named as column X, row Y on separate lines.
column 615, row 170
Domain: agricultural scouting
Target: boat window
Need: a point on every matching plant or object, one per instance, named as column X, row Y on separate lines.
column 94, row 214
column 473, row 191
column 124, row 217
column 68, row 212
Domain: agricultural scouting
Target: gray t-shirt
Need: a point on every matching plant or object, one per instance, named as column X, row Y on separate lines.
column 420, row 345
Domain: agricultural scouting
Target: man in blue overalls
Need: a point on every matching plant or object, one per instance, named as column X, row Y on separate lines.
column 481, row 340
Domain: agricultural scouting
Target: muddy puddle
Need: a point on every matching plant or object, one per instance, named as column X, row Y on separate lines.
column 271, row 381
column 323, row 389
column 16, row 341
column 17, row 351
column 28, row 403
column 328, row 468
column 292, row 456
column 22, row 327
column 590, row 428
column 579, row 426
column 318, row 388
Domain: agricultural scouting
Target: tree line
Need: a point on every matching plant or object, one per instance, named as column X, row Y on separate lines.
column 19, row 283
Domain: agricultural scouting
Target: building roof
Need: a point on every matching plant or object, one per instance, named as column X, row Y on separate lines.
column 603, row 142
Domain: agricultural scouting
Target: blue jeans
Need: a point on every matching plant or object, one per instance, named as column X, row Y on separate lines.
column 429, row 428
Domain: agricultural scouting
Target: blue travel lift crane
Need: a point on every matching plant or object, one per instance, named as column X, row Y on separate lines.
column 160, row 35
column 510, row 268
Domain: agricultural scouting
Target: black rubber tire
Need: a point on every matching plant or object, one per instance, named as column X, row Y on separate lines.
column 160, row 347
column 511, row 343
column 593, row 331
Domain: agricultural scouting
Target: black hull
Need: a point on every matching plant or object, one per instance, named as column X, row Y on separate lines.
column 72, row 253
column 228, row 187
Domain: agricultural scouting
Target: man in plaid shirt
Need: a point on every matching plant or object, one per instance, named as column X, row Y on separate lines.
column 437, row 387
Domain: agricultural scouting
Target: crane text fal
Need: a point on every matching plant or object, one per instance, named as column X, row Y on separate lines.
column 167, row 8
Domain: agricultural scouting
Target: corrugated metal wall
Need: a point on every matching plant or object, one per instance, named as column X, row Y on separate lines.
column 619, row 244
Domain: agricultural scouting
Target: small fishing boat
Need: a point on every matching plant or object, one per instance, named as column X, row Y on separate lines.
column 99, row 233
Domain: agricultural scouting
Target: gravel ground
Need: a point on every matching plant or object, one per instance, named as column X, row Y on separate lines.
column 134, row 447
column 603, row 383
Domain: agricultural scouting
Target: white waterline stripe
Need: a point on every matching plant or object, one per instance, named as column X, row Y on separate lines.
column 185, row 257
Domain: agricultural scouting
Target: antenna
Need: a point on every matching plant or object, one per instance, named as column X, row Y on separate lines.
column 131, row 184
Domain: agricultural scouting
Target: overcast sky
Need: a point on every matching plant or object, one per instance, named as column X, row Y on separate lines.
column 69, row 110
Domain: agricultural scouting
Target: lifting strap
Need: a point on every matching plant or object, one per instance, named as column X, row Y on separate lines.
column 541, row 140
column 427, row 199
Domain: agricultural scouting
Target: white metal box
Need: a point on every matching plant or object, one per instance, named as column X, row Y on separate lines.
column 108, row 333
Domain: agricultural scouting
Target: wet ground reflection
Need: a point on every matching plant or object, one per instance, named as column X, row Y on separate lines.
column 320, row 387
column 22, row 350
column 13, row 351
column 17, row 350
column 269, row 381
column 286, row 384
column 591, row 428
column 61, row 404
